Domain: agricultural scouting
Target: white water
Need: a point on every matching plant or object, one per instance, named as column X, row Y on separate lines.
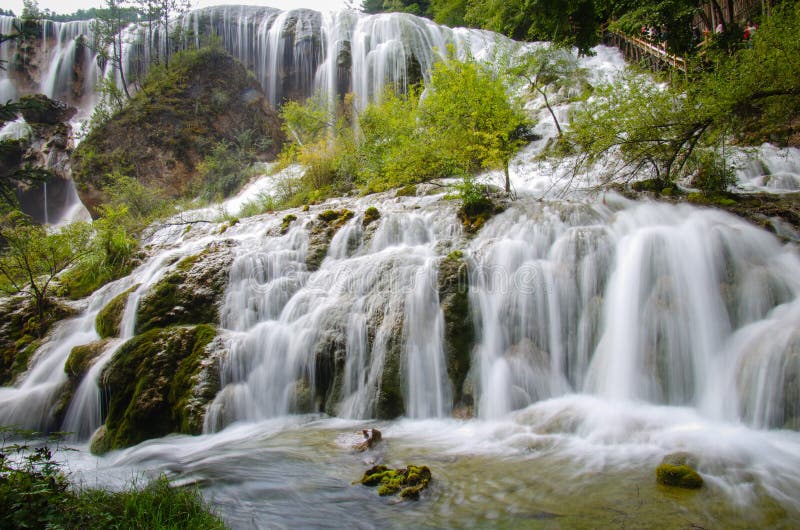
column 610, row 334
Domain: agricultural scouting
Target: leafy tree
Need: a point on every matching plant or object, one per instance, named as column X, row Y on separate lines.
column 107, row 29
column 167, row 11
column 449, row 12
column 547, row 69
column 32, row 258
column 567, row 22
column 470, row 118
column 640, row 125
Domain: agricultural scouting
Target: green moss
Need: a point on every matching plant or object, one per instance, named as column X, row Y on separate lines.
column 286, row 222
column 149, row 384
column 407, row 191
column 409, row 481
column 336, row 217
column 82, row 357
column 710, row 200
column 473, row 215
column 371, row 215
column 110, row 317
column 679, row 476
column 187, row 295
column 21, row 332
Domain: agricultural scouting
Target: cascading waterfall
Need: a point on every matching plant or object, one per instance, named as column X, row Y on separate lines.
column 284, row 319
column 648, row 303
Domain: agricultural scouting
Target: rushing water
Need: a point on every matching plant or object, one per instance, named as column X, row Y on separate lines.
column 608, row 334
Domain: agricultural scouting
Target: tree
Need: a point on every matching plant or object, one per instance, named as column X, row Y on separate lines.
column 546, row 69
column 32, row 258
column 167, row 11
column 107, row 28
column 470, row 117
column 567, row 22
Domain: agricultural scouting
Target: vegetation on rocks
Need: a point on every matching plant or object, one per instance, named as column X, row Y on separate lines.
column 190, row 294
column 204, row 113
column 409, row 481
column 150, row 385
column 459, row 331
column 110, row 317
column 679, row 476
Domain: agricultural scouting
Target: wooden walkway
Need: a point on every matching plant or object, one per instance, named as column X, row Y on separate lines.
column 644, row 52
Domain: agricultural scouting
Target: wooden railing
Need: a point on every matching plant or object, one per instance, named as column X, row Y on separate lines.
column 635, row 49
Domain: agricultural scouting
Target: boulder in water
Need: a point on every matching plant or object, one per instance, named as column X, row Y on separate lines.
column 408, row 481
column 676, row 470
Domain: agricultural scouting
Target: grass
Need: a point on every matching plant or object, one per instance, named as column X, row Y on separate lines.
column 36, row 493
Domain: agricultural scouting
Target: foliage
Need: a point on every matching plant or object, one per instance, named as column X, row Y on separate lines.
column 547, row 69
column 35, row 492
column 178, row 118
column 653, row 129
column 32, row 258
column 107, row 31
column 675, row 131
column 130, row 209
column 227, row 166
column 464, row 123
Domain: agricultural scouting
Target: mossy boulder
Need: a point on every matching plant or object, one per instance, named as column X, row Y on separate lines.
column 21, row 333
column 322, row 230
column 190, row 294
column 371, row 215
column 459, row 329
column 110, row 317
column 408, row 481
column 81, row 358
column 390, row 403
column 678, row 476
column 407, row 191
column 474, row 214
column 152, row 386
column 287, row 222
column 168, row 127
column 39, row 109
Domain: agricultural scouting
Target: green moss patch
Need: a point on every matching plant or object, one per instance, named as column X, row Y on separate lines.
column 371, row 215
column 286, row 222
column 110, row 317
column 150, row 386
column 408, row 481
column 678, row 476
column 190, row 294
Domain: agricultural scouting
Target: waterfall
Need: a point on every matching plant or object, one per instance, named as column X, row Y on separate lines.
column 640, row 302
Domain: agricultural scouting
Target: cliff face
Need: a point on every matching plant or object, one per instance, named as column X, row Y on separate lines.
column 172, row 123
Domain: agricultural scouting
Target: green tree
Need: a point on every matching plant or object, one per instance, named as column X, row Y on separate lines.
column 449, row 12
column 107, row 30
column 547, row 69
column 32, row 258
column 470, row 118
column 567, row 22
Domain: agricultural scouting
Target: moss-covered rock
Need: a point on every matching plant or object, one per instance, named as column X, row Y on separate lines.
column 287, row 221
column 322, row 231
column 110, row 317
column 407, row 191
column 21, row 332
column 678, row 476
column 190, row 294
column 177, row 117
column 390, row 403
column 371, row 215
column 81, row 358
column 151, row 386
column 459, row 329
column 473, row 215
column 408, row 482
column 39, row 109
